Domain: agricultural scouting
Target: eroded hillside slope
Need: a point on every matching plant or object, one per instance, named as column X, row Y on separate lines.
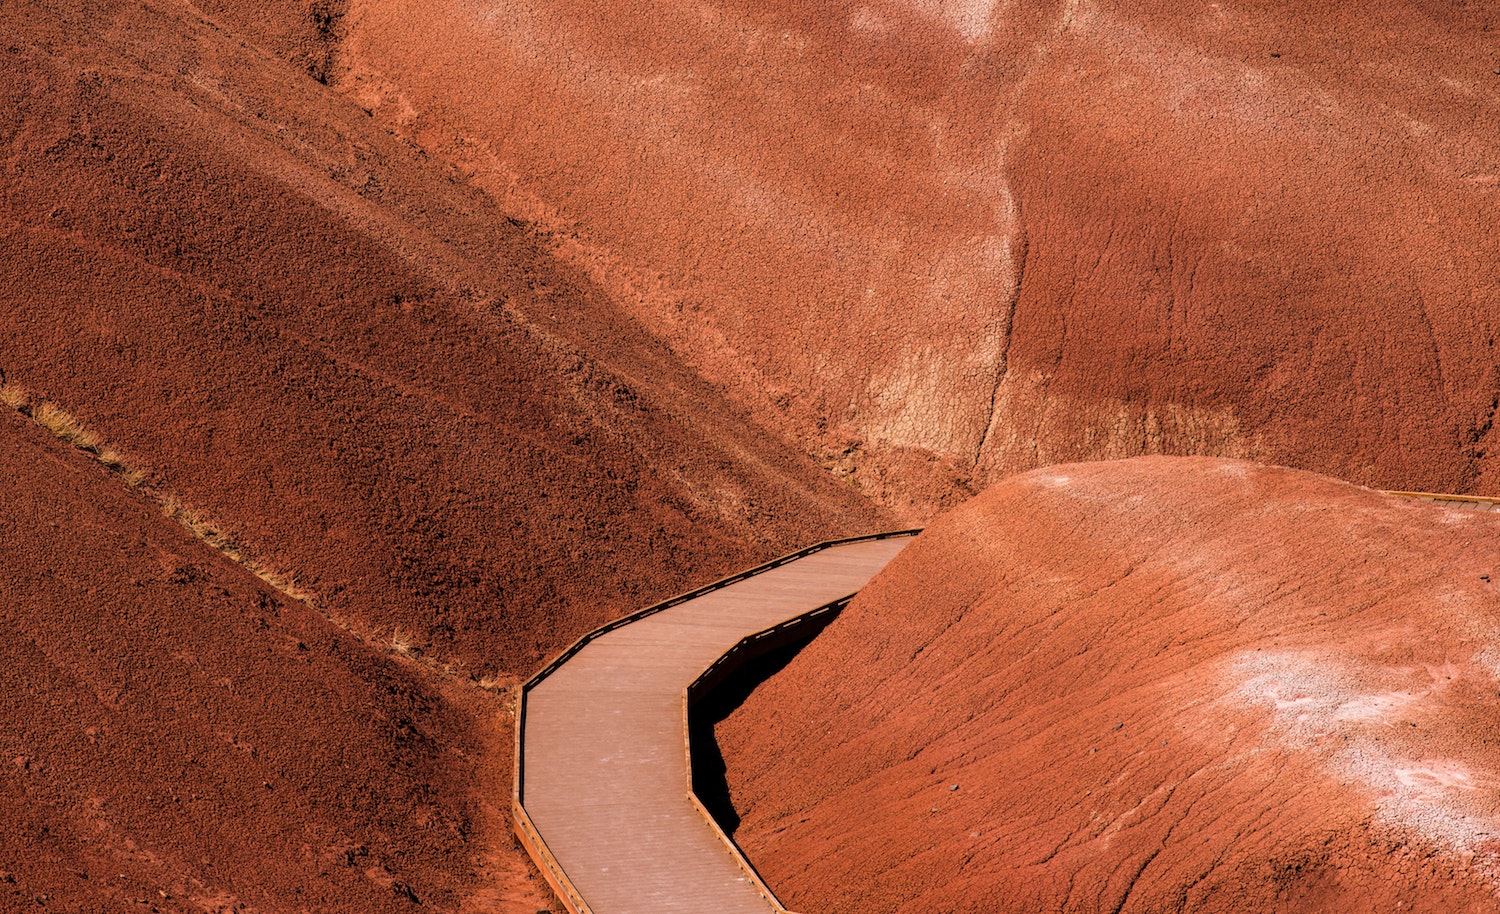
column 301, row 344
column 1150, row 685
column 946, row 241
column 178, row 736
column 359, row 366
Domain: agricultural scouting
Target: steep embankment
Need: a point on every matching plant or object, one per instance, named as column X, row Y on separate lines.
column 359, row 366
column 177, row 736
column 943, row 242
column 1154, row 685
column 327, row 356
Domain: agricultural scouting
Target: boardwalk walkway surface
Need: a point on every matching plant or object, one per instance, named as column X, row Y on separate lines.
column 602, row 794
column 1466, row 502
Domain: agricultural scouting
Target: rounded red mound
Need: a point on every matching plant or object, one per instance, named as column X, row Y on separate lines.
column 1149, row 685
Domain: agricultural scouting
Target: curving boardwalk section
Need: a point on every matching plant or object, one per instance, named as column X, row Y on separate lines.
column 602, row 784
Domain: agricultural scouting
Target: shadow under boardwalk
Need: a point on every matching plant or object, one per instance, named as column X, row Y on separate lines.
column 711, row 708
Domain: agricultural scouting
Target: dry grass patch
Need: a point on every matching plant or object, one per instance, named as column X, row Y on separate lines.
column 201, row 527
column 403, row 643
column 111, row 459
column 66, row 427
column 213, row 534
column 14, row 396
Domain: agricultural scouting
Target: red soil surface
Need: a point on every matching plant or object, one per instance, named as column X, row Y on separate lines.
column 484, row 325
column 1152, row 685
column 362, row 368
column 177, row 736
column 382, row 386
column 944, row 241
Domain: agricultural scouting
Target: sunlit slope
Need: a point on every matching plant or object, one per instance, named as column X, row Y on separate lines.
column 941, row 242
column 1181, row 685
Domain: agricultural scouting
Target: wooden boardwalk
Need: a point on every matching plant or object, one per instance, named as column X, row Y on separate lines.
column 602, row 784
column 1464, row 502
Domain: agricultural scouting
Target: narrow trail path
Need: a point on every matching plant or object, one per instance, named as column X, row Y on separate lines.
column 603, row 799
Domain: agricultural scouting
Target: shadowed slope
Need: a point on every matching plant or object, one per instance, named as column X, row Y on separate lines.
column 179, row 736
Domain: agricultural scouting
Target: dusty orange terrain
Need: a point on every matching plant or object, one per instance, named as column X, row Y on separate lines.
column 943, row 241
column 1152, row 685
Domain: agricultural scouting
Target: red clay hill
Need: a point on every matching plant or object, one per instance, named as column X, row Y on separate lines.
column 429, row 335
column 180, row 737
column 940, row 241
column 305, row 348
column 381, row 383
column 1163, row 684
